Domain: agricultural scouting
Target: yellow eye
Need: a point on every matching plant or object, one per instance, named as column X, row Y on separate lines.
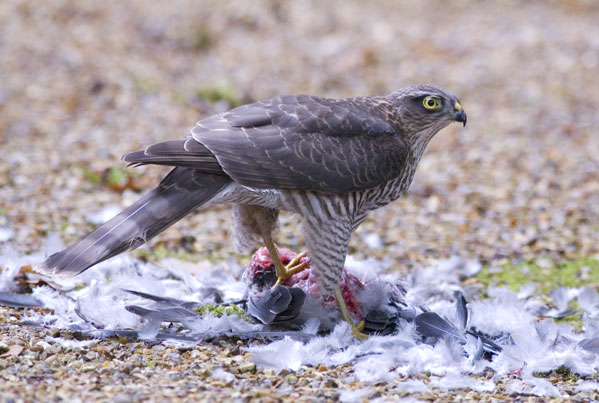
column 431, row 103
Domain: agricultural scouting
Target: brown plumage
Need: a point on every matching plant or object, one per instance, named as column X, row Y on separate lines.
column 330, row 161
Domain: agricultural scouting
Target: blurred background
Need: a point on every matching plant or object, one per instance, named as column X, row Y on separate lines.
column 82, row 82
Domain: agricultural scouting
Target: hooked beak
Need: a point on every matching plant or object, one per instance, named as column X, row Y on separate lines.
column 459, row 114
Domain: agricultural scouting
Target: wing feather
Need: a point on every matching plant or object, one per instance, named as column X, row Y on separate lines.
column 292, row 142
column 306, row 143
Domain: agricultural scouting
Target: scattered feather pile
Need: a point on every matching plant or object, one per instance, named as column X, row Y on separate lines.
column 424, row 323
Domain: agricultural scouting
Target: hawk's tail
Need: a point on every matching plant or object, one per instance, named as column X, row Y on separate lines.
column 180, row 192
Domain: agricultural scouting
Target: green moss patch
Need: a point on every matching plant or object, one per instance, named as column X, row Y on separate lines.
column 220, row 310
column 547, row 275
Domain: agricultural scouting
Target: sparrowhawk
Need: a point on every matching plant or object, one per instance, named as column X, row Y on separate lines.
column 331, row 161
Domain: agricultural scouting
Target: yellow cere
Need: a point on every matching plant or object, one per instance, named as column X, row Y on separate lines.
column 457, row 106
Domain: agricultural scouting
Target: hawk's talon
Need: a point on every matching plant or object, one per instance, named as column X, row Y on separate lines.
column 284, row 272
column 356, row 331
column 296, row 260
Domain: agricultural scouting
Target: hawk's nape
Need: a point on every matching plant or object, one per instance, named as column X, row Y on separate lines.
column 179, row 193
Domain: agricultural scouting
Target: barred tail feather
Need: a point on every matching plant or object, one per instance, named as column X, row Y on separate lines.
column 179, row 193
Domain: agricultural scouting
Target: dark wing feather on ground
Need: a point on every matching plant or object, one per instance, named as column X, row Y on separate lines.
column 306, row 143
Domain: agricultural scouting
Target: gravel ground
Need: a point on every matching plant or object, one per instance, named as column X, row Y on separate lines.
column 82, row 82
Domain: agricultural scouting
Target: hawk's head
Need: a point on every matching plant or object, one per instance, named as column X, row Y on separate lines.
column 423, row 110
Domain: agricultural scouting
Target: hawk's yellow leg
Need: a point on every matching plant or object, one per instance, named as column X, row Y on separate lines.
column 294, row 266
column 283, row 271
column 356, row 330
